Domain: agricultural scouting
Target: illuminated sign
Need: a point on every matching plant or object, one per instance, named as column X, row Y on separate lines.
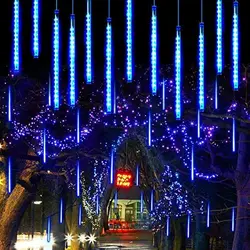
column 123, row 179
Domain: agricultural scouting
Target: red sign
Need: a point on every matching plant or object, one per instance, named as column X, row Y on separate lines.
column 123, row 179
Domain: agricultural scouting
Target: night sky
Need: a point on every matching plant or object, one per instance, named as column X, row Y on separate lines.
column 167, row 18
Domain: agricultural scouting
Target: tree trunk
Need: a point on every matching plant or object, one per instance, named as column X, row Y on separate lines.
column 242, row 230
column 179, row 236
column 201, row 239
column 12, row 213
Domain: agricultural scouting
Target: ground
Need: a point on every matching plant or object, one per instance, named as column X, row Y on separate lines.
column 127, row 240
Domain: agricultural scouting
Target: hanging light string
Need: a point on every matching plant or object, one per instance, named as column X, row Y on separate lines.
column 88, row 36
column 178, row 66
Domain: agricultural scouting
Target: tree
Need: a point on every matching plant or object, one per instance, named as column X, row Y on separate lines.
column 172, row 140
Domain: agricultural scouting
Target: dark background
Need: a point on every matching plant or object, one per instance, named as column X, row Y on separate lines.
column 167, row 19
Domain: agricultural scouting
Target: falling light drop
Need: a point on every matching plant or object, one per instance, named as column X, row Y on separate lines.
column 233, row 219
column 154, row 51
column 9, row 104
column 198, row 124
column 109, row 67
column 56, row 71
column 168, row 226
column 72, row 62
column 208, row 214
column 178, row 73
column 80, row 215
column 216, row 94
column 16, row 37
column 78, row 126
column 137, row 176
column 163, row 95
column 48, row 229
column 152, row 201
column 49, row 92
column 88, row 43
column 97, row 204
column 141, row 202
column 36, row 28
column 192, row 163
column 129, row 40
column 233, row 135
column 188, row 225
column 235, row 46
column 61, row 211
column 149, row 129
column 112, row 167
column 44, row 146
column 78, row 178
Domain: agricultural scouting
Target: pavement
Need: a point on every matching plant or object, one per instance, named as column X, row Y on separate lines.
column 126, row 240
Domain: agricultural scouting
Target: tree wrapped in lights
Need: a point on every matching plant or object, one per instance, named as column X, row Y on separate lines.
column 93, row 186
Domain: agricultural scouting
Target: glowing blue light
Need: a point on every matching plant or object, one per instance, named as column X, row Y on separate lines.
column 9, row 104
column 137, row 175
column 16, row 37
column 97, row 204
column 192, row 163
column 233, row 135
column 188, row 225
column 149, row 129
column 129, row 42
column 109, row 66
column 49, row 92
column 48, row 229
column 168, row 226
column 78, row 126
column 208, row 214
column 201, row 69
column 112, row 167
column 44, row 146
column 116, row 198
column 235, row 46
column 219, row 58
column 72, row 62
column 61, row 211
column 78, row 178
column 178, row 73
column 9, row 175
column 233, row 219
column 56, row 71
column 88, row 44
column 152, row 201
column 141, row 202
column 154, row 51
column 79, row 215
column 198, row 124
column 36, row 28
column 216, row 94
column 163, row 96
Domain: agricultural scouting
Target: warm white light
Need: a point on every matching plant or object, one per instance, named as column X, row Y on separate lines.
column 38, row 242
column 92, row 239
column 83, row 238
column 37, row 202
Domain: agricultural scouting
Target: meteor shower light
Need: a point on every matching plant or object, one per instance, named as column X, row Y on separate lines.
column 233, row 135
column 88, row 44
column 168, row 226
column 61, row 211
column 219, row 38
column 235, row 46
column 129, row 41
column 9, row 104
column 44, row 146
column 188, row 225
column 109, row 66
column 72, row 61
column 154, row 51
column 79, row 215
column 112, row 167
column 78, row 126
column 192, row 163
column 36, row 28
column 48, row 229
column 208, row 214
column 78, row 178
column 233, row 219
column 201, row 68
column 56, row 47
column 9, row 175
column 178, row 73
column 149, row 129
column 16, row 31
